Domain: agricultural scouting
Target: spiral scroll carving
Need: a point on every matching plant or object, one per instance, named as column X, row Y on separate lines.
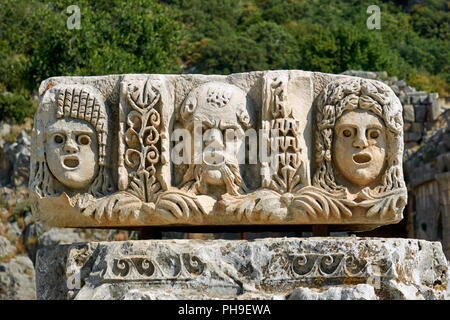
column 144, row 266
column 121, row 267
column 337, row 265
column 187, row 266
column 193, row 264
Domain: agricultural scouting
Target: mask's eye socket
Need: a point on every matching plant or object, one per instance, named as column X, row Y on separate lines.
column 84, row 139
column 58, row 138
column 347, row 133
column 373, row 134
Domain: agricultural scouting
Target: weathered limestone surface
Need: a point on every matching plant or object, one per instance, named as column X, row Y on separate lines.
column 266, row 147
column 17, row 281
column 278, row 268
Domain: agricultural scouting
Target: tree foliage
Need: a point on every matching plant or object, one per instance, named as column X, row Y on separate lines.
column 218, row 36
column 133, row 36
column 319, row 35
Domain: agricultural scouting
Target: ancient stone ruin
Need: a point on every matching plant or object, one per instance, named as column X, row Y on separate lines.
column 287, row 147
column 251, row 149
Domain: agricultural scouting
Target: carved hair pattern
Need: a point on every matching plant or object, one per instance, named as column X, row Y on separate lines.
column 82, row 104
column 342, row 96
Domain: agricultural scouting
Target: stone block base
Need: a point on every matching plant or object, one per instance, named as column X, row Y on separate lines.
column 274, row 268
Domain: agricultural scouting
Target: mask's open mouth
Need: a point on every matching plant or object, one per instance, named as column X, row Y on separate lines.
column 362, row 158
column 71, row 162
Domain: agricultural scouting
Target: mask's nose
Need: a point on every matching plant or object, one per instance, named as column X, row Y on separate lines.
column 360, row 141
column 70, row 146
column 213, row 137
column 214, row 147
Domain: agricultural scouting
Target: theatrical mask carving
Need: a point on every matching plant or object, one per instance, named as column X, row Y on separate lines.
column 215, row 115
column 360, row 147
column 70, row 142
column 71, row 150
column 328, row 150
column 218, row 109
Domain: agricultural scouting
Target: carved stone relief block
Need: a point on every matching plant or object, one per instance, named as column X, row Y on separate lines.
column 266, row 147
column 227, row 269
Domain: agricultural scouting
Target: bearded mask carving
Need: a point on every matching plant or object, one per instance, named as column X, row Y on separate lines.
column 215, row 108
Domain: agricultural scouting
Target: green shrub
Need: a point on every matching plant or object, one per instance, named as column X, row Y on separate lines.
column 15, row 107
column 216, row 36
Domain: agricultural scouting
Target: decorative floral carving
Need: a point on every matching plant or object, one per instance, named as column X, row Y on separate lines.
column 121, row 205
column 316, row 203
column 142, row 137
column 283, row 139
column 177, row 206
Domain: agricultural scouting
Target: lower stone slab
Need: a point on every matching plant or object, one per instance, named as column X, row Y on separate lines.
column 271, row 268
